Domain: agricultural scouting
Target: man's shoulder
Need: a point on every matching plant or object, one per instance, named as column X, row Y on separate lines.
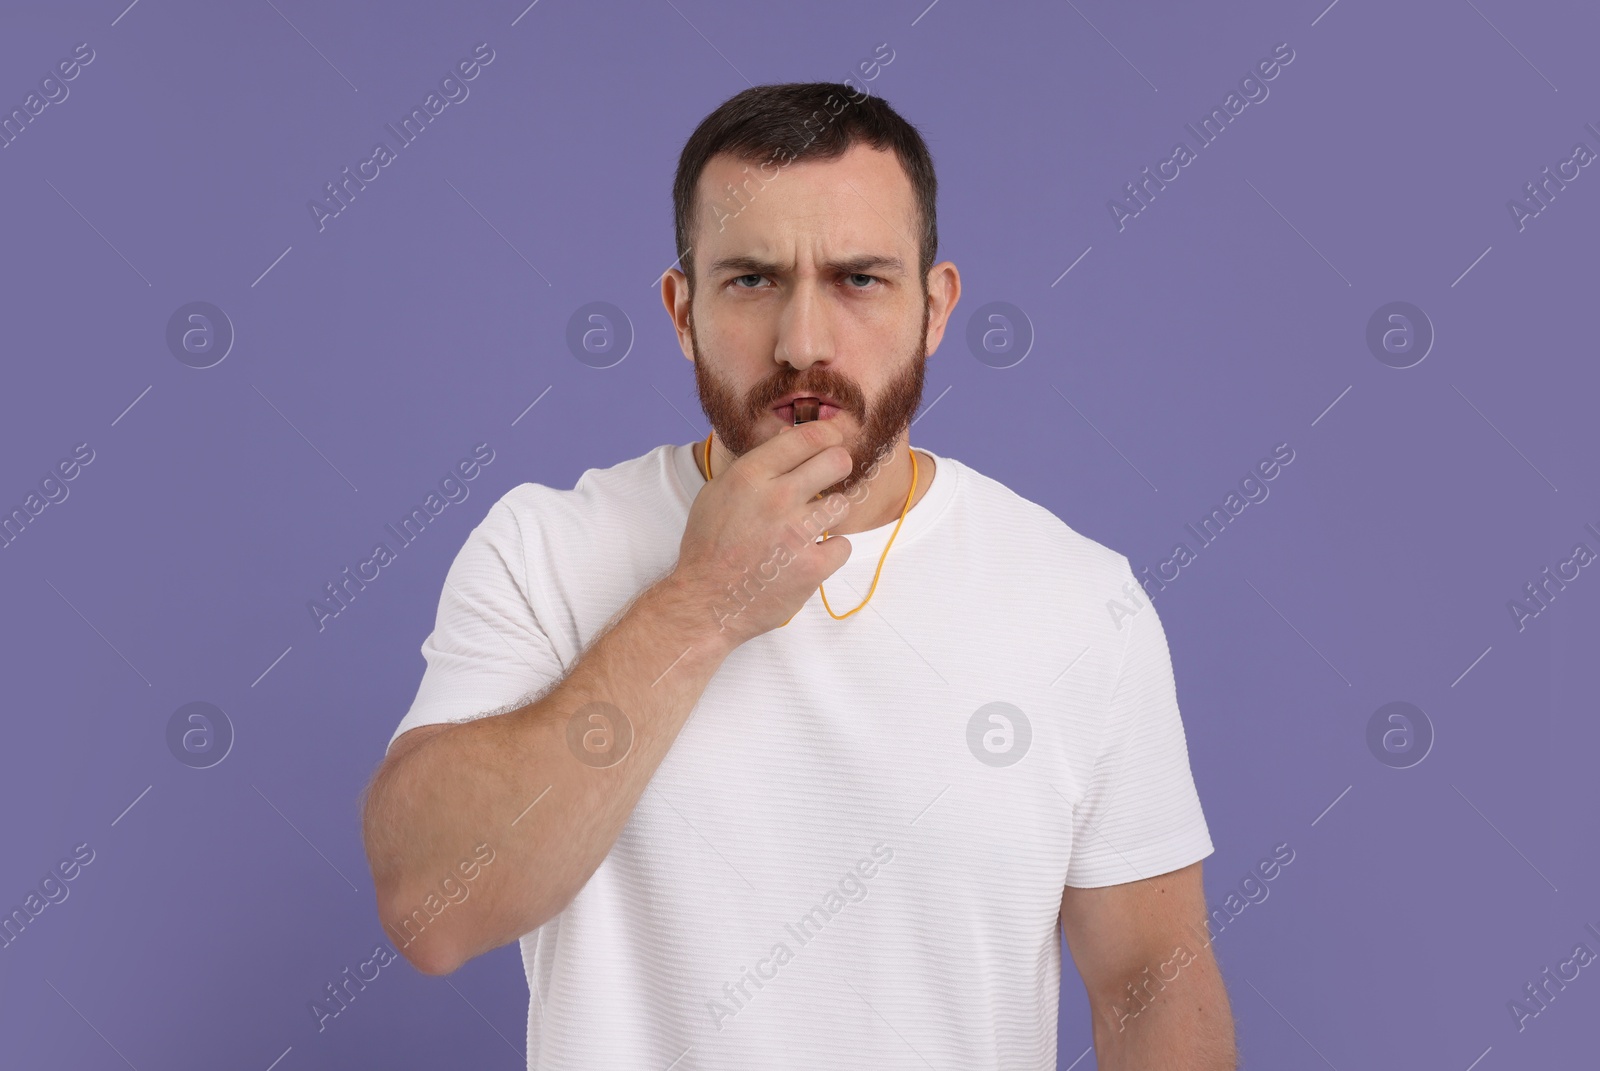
column 602, row 496
column 1031, row 530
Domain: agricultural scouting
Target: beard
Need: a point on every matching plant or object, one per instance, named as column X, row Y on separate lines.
column 733, row 417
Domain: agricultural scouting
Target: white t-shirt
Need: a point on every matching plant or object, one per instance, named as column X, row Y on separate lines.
column 853, row 854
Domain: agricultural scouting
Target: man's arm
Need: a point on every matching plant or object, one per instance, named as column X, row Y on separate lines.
column 476, row 782
column 543, row 811
column 1156, row 995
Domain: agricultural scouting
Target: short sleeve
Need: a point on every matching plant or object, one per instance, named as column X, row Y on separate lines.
column 1140, row 815
column 487, row 653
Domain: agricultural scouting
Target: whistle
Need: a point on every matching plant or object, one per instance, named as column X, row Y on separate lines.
column 806, row 410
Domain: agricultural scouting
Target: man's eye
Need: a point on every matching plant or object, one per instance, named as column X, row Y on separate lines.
column 860, row 275
column 757, row 278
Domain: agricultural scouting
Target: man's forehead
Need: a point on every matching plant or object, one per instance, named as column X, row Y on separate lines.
column 854, row 208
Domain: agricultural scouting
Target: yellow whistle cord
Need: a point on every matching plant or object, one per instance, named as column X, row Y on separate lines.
column 705, row 470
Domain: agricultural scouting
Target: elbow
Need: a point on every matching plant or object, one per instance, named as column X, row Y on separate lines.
column 426, row 947
column 430, row 952
column 430, row 959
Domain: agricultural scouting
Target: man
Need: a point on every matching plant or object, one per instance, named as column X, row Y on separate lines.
column 803, row 751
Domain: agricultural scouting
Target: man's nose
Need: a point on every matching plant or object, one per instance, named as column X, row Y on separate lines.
column 805, row 332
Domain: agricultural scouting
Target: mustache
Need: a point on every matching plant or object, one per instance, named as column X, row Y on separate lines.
column 846, row 393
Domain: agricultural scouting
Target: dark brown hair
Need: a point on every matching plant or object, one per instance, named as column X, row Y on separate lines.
column 776, row 125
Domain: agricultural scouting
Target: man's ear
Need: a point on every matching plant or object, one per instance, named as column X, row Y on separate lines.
column 677, row 299
column 944, row 290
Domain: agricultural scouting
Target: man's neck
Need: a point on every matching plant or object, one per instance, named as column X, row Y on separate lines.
column 885, row 492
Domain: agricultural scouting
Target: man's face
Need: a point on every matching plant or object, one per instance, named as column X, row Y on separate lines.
column 808, row 284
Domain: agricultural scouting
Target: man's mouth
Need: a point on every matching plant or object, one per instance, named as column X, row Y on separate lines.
column 810, row 407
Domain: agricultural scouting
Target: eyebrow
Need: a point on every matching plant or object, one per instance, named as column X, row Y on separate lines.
column 864, row 264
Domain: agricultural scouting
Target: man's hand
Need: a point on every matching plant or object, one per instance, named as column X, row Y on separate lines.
column 1156, row 995
column 755, row 525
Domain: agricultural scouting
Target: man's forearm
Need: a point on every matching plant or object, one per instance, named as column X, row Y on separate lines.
column 477, row 783
column 1175, row 1014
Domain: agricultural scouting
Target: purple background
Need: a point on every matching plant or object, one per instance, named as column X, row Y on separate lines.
column 427, row 317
